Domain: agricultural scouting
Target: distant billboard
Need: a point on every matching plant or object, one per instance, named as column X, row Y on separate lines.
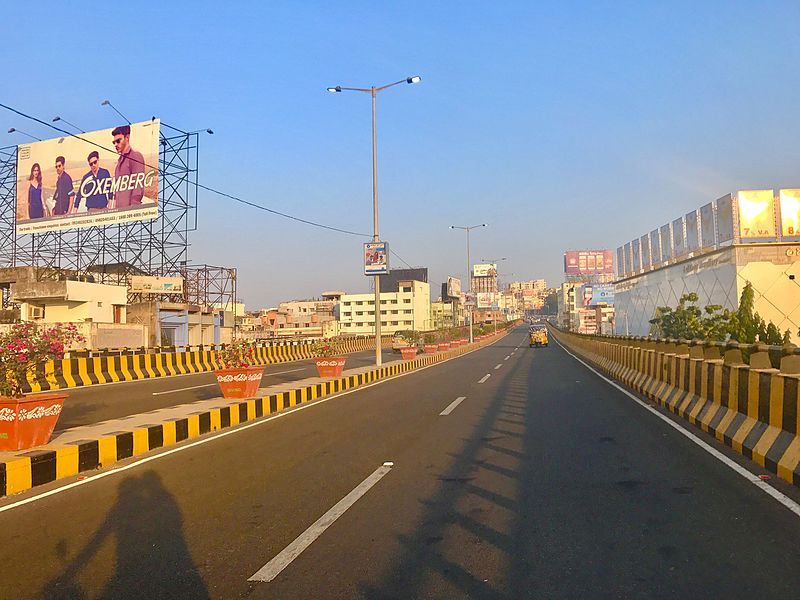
column 453, row 287
column 692, row 235
column 485, row 299
column 655, row 248
column 98, row 178
column 484, row 270
column 678, row 238
column 644, row 243
column 597, row 294
column 376, row 258
column 665, row 234
column 621, row 261
column 589, row 262
column 724, row 219
column 756, row 216
column 790, row 214
column 141, row 284
column 628, row 262
column 637, row 255
column 708, row 231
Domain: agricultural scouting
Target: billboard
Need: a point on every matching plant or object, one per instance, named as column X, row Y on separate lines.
column 666, row 242
column 692, row 237
column 99, row 178
column 597, row 294
column 708, row 233
column 644, row 243
column 621, row 261
column 453, row 287
column 790, row 214
column 628, row 263
column 655, row 248
column 725, row 219
column 637, row 257
column 484, row 270
column 376, row 258
column 141, row 284
column 678, row 238
column 485, row 299
column 589, row 262
column 756, row 216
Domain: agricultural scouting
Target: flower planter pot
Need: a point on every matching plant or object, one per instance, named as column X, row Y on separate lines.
column 331, row 366
column 239, row 383
column 444, row 346
column 430, row 348
column 29, row 421
column 409, row 353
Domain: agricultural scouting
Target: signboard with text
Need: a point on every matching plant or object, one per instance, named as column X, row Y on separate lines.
column 141, row 284
column 376, row 258
column 589, row 262
column 756, row 215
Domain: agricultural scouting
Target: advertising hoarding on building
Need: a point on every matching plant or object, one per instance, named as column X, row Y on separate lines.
column 678, row 238
column 628, row 262
column 655, row 248
column 453, row 287
column 790, row 214
column 725, row 219
column 376, row 258
column 484, row 270
column 596, row 294
column 589, row 262
column 756, row 210
column 708, row 232
column 665, row 233
column 141, row 284
column 637, row 255
column 692, row 235
column 98, row 178
column 644, row 243
column 621, row 261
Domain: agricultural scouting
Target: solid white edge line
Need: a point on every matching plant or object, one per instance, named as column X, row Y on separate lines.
column 284, row 558
column 113, row 470
column 484, row 378
column 194, row 387
column 762, row 485
column 451, row 407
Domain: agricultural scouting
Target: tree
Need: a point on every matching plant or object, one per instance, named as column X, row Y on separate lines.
column 745, row 324
column 773, row 335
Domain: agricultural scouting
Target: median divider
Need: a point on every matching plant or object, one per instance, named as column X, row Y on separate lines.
column 755, row 411
column 82, row 449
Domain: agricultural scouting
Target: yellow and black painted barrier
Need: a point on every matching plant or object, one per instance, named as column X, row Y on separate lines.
column 755, row 411
column 53, row 462
column 106, row 368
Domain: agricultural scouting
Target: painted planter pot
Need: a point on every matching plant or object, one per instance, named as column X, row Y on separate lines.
column 430, row 348
column 330, row 366
column 444, row 346
column 29, row 421
column 409, row 353
column 239, row 383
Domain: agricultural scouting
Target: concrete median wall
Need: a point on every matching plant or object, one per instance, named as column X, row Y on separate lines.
column 755, row 411
column 83, row 371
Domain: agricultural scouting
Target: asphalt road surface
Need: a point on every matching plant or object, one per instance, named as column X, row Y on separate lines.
column 543, row 481
column 92, row 404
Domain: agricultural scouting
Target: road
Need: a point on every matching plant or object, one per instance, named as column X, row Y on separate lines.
column 92, row 404
column 543, row 482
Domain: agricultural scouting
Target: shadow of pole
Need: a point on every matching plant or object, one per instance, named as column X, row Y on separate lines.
column 152, row 557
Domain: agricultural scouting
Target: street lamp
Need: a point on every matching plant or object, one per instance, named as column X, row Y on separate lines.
column 373, row 91
column 469, row 278
column 56, row 119
column 108, row 103
column 12, row 130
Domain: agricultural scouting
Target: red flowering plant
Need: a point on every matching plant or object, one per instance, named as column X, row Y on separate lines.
column 236, row 355
column 325, row 349
column 27, row 345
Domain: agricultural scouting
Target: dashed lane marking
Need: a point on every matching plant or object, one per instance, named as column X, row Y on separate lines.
column 452, row 406
column 484, row 378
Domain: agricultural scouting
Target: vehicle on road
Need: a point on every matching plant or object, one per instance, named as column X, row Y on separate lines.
column 537, row 336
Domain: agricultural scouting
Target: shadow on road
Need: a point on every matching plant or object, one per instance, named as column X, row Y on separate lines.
column 152, row 557
column 464, row 510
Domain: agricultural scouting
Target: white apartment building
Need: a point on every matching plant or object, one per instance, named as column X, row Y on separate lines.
column 407, row 308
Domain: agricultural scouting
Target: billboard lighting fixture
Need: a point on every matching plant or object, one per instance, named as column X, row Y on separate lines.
column 108, row 103
column 56, row 119
column 12, row 130
column 338, row 88
column 413, row 79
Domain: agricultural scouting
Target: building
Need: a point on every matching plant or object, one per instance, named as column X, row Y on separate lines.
column 407, row 308
column 484, row 278
column 70, row 301
column 534, row 285
column 447, row 314
column 746, row 236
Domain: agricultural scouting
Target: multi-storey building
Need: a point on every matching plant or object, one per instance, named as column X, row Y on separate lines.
column 407, row 308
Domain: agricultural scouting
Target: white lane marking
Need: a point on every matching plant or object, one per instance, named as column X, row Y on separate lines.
column 507, row 357
column 762, row 485
column 452, row 406
column 114, row 470
column 484, row 378
column 271, row 570
column 194, row 387
column 498, row 366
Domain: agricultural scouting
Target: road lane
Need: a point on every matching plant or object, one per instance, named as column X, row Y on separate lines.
column 547, row 483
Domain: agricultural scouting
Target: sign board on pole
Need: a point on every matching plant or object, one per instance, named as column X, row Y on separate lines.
column 485, row 299
column 376, row 258
column 142, row 284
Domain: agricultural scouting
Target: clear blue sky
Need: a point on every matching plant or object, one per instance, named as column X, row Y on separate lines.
column 564, row 126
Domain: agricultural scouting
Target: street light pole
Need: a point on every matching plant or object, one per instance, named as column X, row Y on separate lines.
column 373, row 92
column 469, row 277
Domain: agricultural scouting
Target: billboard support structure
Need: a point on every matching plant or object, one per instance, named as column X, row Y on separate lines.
column 112, row 253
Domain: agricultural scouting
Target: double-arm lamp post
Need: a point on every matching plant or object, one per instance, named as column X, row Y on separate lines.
column 373, row 91
column 469, row 274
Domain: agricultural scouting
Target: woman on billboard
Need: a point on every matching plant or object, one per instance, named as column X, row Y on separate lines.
column 35, row 202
